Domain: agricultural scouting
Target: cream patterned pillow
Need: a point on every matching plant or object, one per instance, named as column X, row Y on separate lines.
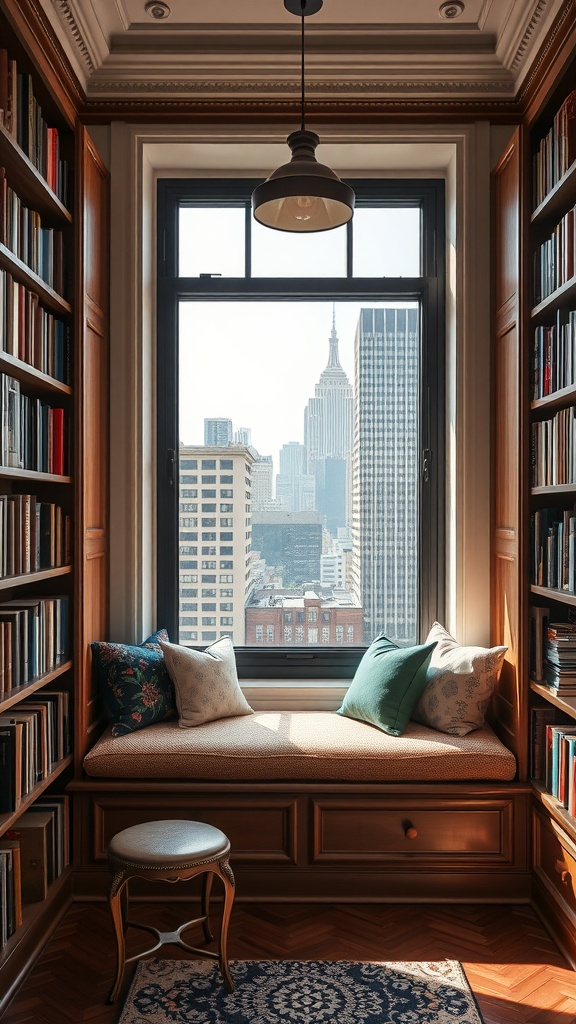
column 460, row 684
column 206, row 682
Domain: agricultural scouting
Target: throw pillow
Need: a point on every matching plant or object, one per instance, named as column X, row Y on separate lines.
column 387, row 685
column 134, row 683
column 460, row 683
column 206, row 682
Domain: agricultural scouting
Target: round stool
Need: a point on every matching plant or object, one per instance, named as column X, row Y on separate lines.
column 169, row 851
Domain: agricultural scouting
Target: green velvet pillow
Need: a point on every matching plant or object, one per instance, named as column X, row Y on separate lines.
column 387, row 685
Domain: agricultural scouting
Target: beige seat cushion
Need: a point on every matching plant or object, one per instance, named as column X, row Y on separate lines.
column 322, row 745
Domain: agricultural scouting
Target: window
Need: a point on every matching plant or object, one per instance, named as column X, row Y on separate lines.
column 306, row 481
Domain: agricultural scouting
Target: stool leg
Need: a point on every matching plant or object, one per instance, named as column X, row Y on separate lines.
column 117, row 901
column 206, row 890
column 227, row 877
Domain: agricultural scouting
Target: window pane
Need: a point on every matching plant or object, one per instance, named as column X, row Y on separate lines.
column 281, row 254
column 386, row 242
column 211, row 241
column 321, row 521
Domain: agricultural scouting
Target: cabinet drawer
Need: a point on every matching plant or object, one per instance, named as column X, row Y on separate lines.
column 373, row 830
column 555, row 862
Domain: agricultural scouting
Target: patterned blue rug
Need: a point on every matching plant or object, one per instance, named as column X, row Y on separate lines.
column 300, row 992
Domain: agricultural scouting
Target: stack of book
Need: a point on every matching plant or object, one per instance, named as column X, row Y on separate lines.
column 560, row 658
column 33, row 638
column 32, row 856
column 556, row 152
column 21, row 115
column 554, row 356
column 34, row 535
column 34, row 736
column 33, row 334
column 33, row 432
column 561, row 764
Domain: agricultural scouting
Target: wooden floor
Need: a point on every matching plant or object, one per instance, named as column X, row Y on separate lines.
column 514, row 969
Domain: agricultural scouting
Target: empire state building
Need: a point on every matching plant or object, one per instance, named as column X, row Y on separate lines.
column 328, row 434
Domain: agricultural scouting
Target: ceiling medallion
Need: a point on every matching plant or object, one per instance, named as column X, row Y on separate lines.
column 157, row 9
column 451, row 9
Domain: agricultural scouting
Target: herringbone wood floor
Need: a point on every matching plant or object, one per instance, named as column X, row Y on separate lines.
column 514, row 969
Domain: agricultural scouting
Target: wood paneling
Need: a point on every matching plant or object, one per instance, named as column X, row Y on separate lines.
column 92, row 444
column 554, row 859
column 508, row 611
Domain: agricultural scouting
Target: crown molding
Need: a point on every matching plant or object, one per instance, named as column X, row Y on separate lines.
column 445, row 59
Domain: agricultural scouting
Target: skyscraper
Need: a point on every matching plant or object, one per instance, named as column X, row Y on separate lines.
column 328, row 432
column 217, row 431
column 385, row 471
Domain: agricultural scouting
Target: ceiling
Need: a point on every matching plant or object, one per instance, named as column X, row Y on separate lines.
column 249, row 50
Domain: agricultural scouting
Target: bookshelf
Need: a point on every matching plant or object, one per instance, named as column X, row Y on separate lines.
column 549, row 361
column 36, row 484
column 54, row 470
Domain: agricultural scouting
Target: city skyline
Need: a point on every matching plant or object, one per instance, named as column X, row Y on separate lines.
column 300, row 340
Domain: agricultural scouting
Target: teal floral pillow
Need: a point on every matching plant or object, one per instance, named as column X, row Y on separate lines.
column 134, row 683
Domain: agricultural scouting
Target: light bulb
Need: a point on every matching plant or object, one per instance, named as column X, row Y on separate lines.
column 302, row 208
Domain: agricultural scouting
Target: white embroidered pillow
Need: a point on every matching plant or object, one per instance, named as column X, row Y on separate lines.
column 205, row 682
column 460, row 683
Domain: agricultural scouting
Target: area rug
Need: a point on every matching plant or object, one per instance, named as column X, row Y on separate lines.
column 300, row 992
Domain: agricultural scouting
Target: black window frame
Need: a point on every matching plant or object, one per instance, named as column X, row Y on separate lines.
column 428, row 289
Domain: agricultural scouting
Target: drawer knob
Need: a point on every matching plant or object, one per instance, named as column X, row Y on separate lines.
column 409, row 831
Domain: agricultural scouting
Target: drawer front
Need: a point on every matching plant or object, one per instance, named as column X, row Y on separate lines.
column 555, row 862
column 263, row 833
column 375, row 830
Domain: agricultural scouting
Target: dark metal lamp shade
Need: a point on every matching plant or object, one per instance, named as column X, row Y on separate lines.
column 303, row 195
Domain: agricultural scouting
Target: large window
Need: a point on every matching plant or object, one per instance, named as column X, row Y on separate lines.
column 301, row 387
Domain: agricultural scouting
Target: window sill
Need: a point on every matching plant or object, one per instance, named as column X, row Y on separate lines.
column 294, row 694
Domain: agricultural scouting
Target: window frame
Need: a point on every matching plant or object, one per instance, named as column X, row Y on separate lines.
column 428, row 289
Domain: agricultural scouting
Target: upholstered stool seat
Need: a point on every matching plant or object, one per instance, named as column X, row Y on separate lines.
column 170, row 851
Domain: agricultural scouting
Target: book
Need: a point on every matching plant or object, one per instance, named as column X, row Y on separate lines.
column 34, row 832
column 13, row 845
column 10, row 765
column 539, row 618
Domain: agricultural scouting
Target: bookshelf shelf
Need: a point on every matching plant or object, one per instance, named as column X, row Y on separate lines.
column 14, row 696
column 557, row 199
column 8, row 820
column 8, row 582
column 558, row 400
column 32, row 377
column 553, row 489
column 563, row 296
column 21, row 272
column 554, row 595
column 9, row 472
column 567, row 704
column 28, row 181
column 556, row 809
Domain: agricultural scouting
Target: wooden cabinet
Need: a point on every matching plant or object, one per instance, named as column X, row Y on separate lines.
column 53, row 463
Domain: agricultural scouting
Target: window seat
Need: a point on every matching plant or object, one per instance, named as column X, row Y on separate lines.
column 317, row 807
column 299, row 745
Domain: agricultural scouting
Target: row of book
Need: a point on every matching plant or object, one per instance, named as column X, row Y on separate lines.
column 34, row 639
column 556, row 152
column 33, row 432
column 34, row 535
column 554, row 356
column 31, row 333
column 34, row 736
column 553, row 449
column 553, row 548
column 40, row 247
column 554, row 259
column 21, row 115
column 32, row 856
column 553, row 755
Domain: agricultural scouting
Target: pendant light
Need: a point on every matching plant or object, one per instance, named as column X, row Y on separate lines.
column 303, row 195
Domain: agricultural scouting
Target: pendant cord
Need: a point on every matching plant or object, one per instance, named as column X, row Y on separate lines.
column 303, row 5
